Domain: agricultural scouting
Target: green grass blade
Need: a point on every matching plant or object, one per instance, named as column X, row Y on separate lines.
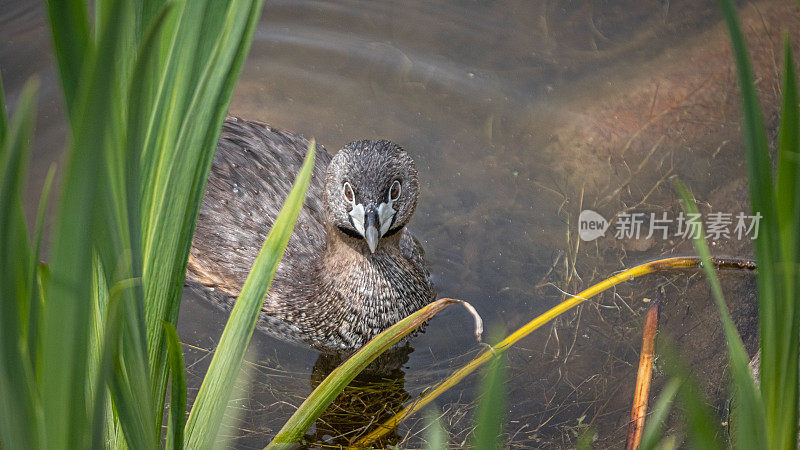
column 16, row 253
column 115, row 38
column 145, row 79
column 489, row 418
column 148, row 75
column 108, row 318
column 97, row 333
column 3, row 119
column 83, row 223
column 142, row 96
column 121, row 158
column 212, row 400
column 654, row 432
column 177, row 406
column 104, row 336
column 133, row 386
column 787, row 201
column 128, row 384
column 786, row 191
column 19, row 420
column 435, row 435
column 749, row 420
column 69, row 24
column 13, row 228
column 114, row 219
column 134, row 424
column 178, row 153
column 703, row 432
column 158, row 133
column 755, row 137
column 761, row 196
column 231, row 421
column 37, row 304
column 147, row 12
column 775, row 247
column 701, row 424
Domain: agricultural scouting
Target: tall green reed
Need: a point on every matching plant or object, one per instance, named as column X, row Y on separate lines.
column 88, row 341
column 764, row 416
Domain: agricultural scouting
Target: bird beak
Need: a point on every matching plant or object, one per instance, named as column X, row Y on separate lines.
column 372, row 222
column 371, row 228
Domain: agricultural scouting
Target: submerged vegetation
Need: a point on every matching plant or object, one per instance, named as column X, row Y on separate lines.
column 87, row 341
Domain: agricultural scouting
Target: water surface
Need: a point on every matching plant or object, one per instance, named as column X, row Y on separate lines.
column 519, row 115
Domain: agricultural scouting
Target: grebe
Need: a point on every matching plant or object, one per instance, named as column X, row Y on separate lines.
column 350, row 270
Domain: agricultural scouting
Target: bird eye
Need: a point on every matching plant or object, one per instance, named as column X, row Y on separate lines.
column 348, row 192
column 394, row 191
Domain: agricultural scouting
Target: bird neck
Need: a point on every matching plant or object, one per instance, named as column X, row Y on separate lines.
column 361, row 292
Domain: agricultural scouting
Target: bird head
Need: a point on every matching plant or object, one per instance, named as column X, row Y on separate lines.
column 371, row 190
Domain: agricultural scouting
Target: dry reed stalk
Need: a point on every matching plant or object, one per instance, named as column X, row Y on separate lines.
column 642, row 392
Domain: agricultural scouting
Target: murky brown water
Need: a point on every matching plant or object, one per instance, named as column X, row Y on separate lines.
column 519, row 115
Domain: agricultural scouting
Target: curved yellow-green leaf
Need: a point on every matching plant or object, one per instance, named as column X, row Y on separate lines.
column 336, row 381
